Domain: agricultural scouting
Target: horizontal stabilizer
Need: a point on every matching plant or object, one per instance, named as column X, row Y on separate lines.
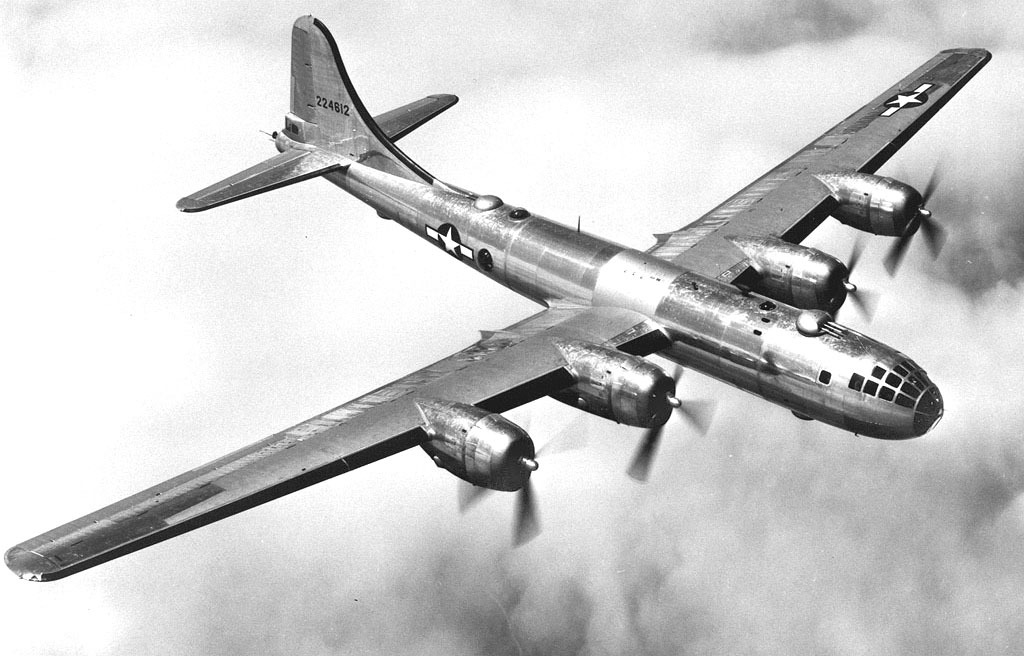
column 402, row 120
column 279, row 171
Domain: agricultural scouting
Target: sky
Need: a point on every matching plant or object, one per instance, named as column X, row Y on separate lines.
column 141, row 342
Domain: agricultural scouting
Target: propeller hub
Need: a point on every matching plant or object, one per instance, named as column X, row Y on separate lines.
column 529, row 464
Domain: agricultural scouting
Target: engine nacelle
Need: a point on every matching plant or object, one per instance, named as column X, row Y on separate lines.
column 796, row 275
column 477, row 446
column 616, row 385
column 872, row 203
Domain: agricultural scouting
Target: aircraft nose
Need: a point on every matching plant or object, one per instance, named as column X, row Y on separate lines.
column 928, row 411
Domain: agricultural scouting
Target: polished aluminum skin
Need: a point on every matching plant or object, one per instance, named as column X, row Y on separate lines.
column 732, row 294
column 481, row 447
column 742, row 338
column 873, row 203
column 798, row 275
column 616, row 385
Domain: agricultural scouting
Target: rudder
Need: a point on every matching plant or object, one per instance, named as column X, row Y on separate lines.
column 326, row 110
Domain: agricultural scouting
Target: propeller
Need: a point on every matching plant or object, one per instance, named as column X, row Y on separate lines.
column 865, row 300
column 527, row 519
column 697, row 412
column 933, row 232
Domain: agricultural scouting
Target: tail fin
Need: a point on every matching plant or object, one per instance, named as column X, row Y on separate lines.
column 327, row 113
column 327, row 128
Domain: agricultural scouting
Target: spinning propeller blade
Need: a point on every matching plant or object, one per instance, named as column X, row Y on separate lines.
column 697, row 412
column 865, row 300
column 527, row 522
column 923, row 221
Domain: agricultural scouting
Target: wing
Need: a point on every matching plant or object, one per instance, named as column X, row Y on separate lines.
column 789, row 203
column 400, row 121
column 503, row 370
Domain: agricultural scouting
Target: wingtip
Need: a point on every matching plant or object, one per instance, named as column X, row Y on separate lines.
column 188, row 204
column 29, row 565
column 449, row 98
column 982, row 53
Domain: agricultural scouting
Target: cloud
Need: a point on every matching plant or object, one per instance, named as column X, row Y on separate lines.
column 147, row 342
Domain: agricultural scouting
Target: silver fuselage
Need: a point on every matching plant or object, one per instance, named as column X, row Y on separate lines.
column 839, row 376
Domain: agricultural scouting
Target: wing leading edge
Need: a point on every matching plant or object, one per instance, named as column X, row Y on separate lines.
column 502, row 370
column 788, row 201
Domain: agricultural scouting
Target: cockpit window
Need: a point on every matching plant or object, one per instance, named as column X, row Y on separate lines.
column 519, row 213
column 905, row 401
column 904, row 385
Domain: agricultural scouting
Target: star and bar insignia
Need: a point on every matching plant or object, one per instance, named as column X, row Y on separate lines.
column 912, row 99
column 447, row 237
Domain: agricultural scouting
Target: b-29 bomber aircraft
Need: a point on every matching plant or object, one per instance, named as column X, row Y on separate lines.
column 732, row 295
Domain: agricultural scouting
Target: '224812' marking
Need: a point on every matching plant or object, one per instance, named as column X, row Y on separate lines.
column 327, row 103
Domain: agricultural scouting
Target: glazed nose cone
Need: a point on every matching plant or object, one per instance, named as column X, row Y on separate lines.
column 928, row 411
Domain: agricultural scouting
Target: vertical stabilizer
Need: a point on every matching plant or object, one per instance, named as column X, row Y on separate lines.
column 326, row 111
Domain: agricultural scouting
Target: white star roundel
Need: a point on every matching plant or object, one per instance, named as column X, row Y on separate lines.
column 912, row 99
column 447, row 237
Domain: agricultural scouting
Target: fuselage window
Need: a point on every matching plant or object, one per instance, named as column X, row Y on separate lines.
column 878, row 372
column 757, row 332
column 887, row 393
column 825, row 377
column 856, row 382
column 870, row 388
column 483, row 256
column 519, row 213
column 767, row 306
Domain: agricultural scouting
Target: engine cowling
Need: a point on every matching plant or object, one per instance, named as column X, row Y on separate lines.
column 616, row 385
column 796, row 275
column 478, row 446
column 873, row 203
